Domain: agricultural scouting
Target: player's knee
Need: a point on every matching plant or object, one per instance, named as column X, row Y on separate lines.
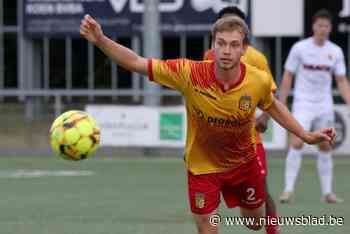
column 297, row 145
column 203, row 225
column 253, row 217
column 296, row 142
column 325, row 147
column 201, row 229
column 205, row 229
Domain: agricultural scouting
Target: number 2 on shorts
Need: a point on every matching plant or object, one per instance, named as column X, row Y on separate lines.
column 251, row 194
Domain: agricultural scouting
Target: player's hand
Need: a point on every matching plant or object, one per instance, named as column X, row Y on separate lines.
column 90, row 29
column 324, row 134
column 261, row 122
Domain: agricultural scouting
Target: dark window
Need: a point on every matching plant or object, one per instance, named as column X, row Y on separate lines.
column 195, row 48
column 10, row 12
column 102, row 70
column 57, row 63
column 11, row 61
column 124, row 76
column 79, row 63
column 171, row 47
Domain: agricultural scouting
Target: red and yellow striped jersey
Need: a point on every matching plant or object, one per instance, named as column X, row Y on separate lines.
column 220, row 124
column 254, row 58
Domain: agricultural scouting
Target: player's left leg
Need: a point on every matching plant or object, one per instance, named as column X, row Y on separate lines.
column 270, row 207
column 325, row 171
column 204, row 198
column 294, row 157
column 247, row 192
column 205, row 224
column 271, row 213
column 256, row 213
column 325, row 160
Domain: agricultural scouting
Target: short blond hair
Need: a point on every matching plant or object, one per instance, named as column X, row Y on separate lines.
column 231, row 23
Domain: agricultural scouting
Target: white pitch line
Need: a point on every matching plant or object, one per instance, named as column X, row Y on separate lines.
column 23, row 173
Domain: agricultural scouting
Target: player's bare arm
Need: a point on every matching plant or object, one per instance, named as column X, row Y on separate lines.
column 281, row 114
column 91, row 30
column 285, row 86
column 344, row 88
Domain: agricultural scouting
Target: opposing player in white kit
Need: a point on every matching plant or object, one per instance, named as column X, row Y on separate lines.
column 313, row 62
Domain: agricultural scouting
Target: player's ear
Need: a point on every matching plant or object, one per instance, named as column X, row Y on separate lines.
column 331, row 28
column 313, row 28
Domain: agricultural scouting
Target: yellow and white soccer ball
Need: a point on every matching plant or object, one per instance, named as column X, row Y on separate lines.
column 74, row 135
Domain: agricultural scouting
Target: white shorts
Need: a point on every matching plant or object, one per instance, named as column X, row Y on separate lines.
column 312, row 118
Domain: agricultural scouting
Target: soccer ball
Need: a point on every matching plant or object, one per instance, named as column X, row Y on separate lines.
column 74, row 135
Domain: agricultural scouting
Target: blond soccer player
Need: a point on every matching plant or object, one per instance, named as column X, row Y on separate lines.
column 255, row 58
column 221, row 98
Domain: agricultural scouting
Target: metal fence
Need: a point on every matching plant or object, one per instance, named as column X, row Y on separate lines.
column 34, row 75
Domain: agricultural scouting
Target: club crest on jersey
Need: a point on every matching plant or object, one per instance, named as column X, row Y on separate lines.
column 331, row 57
column 200, row 201
column 245, row 103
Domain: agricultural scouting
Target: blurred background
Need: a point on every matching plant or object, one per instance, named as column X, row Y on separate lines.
column 46, row 68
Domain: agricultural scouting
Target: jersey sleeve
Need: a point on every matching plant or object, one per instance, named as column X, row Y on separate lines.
column 170, row 73
column 340, row 68
column 267, row 96
column 293, row 60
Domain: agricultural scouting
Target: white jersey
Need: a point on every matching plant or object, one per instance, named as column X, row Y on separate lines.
column 314, row 67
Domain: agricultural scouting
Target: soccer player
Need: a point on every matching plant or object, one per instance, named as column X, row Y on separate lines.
column 256, row 59
column 221, row 98
column 312, row 62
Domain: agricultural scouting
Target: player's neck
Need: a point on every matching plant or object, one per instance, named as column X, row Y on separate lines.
column 228, row 76
column 319, row 41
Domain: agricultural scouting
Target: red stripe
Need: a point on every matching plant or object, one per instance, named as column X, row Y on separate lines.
column 201, row 74
column 150, row 70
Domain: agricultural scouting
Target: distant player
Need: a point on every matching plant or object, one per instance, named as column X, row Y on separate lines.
column 256, row 59
column 221, row 98
column 312, row 62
